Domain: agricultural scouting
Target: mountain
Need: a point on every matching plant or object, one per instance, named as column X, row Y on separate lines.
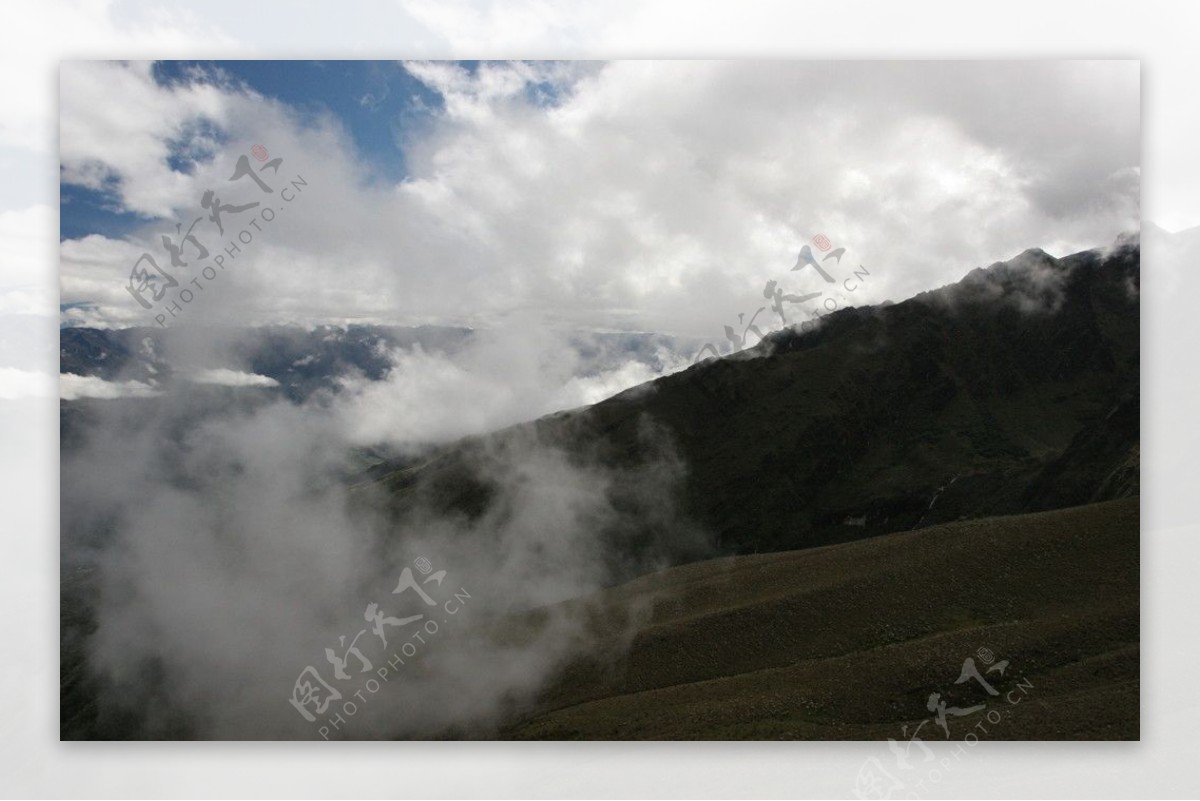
column 903, row 488
column 284, row 362
column 1014, row 390
column 301, row 360
column 849, row 641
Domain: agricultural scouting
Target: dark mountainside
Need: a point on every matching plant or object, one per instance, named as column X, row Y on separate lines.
column 1015, row 390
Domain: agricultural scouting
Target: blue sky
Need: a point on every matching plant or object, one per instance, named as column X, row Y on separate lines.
column 379, row 103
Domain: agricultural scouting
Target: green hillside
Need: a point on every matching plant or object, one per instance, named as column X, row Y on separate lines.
column 848, row 641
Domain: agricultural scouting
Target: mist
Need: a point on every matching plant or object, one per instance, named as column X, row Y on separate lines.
column 225, row 539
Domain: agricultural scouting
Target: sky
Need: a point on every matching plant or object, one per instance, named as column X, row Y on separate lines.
column 623, row 195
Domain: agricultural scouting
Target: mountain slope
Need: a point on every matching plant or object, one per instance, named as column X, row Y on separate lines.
column 1011, row 391
column 849, row 641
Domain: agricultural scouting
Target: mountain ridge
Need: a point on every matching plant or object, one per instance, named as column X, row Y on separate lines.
column 958, row 403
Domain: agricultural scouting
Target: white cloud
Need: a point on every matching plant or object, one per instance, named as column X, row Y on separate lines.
column 646, row 195
column 290, row 556
column 586, row 390
column 123, row 125
column 507, row 375
column 225, row 377
column 75, row 387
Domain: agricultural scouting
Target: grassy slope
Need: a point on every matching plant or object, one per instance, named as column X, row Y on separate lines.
column 849, row 640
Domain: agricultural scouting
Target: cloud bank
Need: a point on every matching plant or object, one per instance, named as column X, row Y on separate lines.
column 626, row 195
column 223, row 550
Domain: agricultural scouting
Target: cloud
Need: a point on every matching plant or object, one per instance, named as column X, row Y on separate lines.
column 638, row 195
column 229, row 551
column 120, row 139
column 76, row 387
column 517, row 372
column 225, row 377
column 589, row 389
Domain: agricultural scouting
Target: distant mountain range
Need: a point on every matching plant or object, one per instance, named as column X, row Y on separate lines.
column 305, row 360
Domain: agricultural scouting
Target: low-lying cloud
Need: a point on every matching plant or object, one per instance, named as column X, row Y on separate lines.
column 506, row 375
column 223, row 376
column 227, row 550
